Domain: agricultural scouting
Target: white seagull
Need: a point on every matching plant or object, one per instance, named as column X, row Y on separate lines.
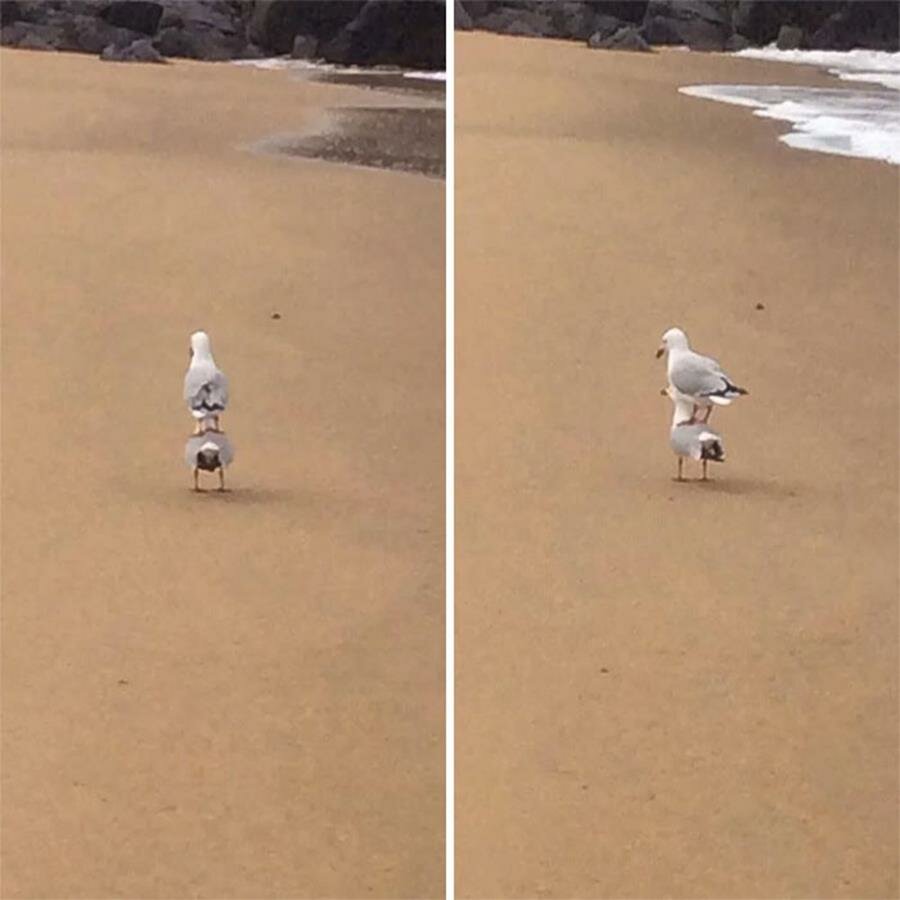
column 697, row 379
column 205, row 386
column 690, row 439
column 209, row 451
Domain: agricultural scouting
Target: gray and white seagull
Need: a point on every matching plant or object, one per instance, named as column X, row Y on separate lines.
column 692, row 440
column 205, row 385
column 698, row 380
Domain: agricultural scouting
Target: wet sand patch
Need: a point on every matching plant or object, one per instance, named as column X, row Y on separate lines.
column 405, row 139
column 395, row 82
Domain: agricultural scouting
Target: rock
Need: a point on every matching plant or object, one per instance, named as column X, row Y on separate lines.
column 91, row 34
column 273, row 24
column 251, row 51
column 518, row 21
column 215, row 15
column 575, row 21
column 604, row 27
column 736, row 42
column 10, row 35
column 477, row 8
column 461, row 19
column 31, row 36
column 201, row 43
column 137, row 15
column 696, row 24
column 391, row 32
column 36, row 41
column 625, row 38
column 305, row 47
column 861, row 24
column 10, row 12
column 138, row 51
column 790, row 37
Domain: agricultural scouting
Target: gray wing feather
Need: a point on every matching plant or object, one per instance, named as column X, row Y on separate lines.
column 698, row 376
column 205, row 385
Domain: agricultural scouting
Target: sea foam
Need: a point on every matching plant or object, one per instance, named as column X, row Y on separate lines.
column 845, row 121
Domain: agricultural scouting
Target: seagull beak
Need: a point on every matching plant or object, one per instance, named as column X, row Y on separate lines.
column 664, row 392
column 660, row 352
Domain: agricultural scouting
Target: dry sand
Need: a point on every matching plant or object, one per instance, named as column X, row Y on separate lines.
column 233, row 695
column 669, row 690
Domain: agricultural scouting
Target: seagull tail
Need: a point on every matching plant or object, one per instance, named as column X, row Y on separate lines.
column 208, row 459
column 712, row 448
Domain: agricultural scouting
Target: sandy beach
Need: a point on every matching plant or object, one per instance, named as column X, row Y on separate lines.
column 235, row 695
column 669, row 690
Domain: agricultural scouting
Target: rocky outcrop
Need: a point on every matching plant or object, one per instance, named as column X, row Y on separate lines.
column 358, row 32
column 140, row 51
column 698, row 24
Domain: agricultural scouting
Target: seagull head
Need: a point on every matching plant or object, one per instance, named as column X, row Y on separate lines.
column 200, row 345
column 673, row 339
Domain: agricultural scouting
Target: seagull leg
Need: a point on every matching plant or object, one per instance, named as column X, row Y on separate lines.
column 680, row 463
column 708, row 414
column 704, row 469
column 216, row 423
column 196, row 479
column 221, row 478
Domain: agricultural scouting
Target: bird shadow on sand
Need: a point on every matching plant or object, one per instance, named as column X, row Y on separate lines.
column 743, row 487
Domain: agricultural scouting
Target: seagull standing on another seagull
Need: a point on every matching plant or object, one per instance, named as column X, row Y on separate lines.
column 690, row 439
column 698, row 380
column 205, row 386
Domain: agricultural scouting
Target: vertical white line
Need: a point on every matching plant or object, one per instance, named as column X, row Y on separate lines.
column 449, row 300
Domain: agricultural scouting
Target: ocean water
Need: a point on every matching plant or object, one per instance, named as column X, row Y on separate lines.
column 847, row 121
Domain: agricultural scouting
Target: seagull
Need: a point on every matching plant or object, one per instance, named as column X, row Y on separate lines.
column 696, row 379
column 209, row 451
column 691, row 439
column 205, row 386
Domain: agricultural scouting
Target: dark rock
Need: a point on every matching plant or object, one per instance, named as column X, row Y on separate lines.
column 790, row 37
column 137, row 15
column 477, row 8
column 694, row 23
column 31, row 36
column 215, row 15
column 396, row 32
column 273, row 24
column 626, row 38
column 604, row 27
column 202, row 43
column 574, row 21
column 250, row 51
column 34, row 40
column 10, row 35
column 861, row 24
column 304, row 47
column 139, row 51
column 461, row 19
column 518, row 21
column 90, row 34
column 10, row 12
column 736, row 42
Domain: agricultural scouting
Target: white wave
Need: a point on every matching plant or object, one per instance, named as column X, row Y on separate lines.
column 877, row 66
column 305, row 65
column 843, row 121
